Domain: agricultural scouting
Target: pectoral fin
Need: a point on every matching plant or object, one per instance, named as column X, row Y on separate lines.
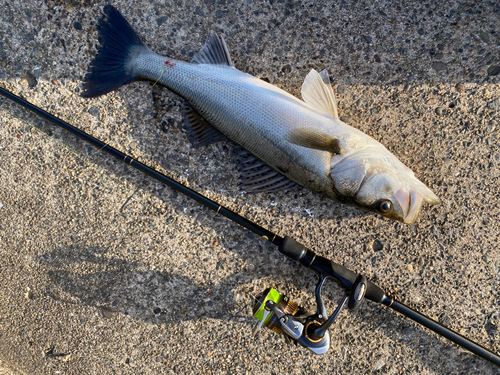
column 316, row 139
column 317, row 92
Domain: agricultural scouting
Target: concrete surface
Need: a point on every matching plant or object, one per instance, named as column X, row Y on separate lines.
column 105, row 271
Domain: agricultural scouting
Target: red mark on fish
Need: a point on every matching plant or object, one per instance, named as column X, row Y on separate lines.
column 169, row 64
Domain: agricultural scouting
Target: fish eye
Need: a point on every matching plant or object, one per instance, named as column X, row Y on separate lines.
column 385, row 207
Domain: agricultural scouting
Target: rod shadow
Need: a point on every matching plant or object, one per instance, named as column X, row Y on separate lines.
column 90, row 277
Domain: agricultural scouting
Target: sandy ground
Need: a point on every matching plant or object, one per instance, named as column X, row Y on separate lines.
column 106, row 271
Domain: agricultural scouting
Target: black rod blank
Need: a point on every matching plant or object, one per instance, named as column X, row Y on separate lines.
column 257, row 229
column 445, row 332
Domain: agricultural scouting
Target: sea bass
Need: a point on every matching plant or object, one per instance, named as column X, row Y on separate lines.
column 289, row 141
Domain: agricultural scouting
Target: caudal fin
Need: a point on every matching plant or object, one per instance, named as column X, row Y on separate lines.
column 110, row 68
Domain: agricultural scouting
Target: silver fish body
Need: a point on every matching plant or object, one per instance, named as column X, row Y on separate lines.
column 254, row 114
column 303, row 140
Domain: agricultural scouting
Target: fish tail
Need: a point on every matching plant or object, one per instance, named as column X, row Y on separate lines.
column 111, row 68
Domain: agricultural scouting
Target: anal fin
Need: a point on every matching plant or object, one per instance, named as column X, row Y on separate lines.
column 199, row 131
column 258, row 177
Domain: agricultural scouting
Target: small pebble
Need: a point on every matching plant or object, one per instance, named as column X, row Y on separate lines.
column 444, row 319
column 94, row 111
column 439, row 66
column 377, row 245
column 417, row 107
column 485, row 37
column 29, row 80
column 28, row 37
column 346, row 119
column 494, row 70
column 379, row 365
column 495, row 104
column 406, row 330
column 460, row 87
column 161, row 20
column 286, row 68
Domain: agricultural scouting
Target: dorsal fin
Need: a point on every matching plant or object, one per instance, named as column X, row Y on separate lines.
column 318, row 93
column 199, row 131
column 314, row 138
column 213, row 52
column 258, row 177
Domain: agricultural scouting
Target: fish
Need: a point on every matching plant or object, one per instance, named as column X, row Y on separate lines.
column 285, row 141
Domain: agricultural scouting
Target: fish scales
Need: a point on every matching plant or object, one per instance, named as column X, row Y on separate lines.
column 249, row 111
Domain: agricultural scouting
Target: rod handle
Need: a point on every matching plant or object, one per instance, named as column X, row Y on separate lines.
column 345, row 277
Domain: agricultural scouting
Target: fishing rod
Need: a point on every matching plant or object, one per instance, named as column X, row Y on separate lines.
column 273, row 310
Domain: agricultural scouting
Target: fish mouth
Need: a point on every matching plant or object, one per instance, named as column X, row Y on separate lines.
column 410, row 204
